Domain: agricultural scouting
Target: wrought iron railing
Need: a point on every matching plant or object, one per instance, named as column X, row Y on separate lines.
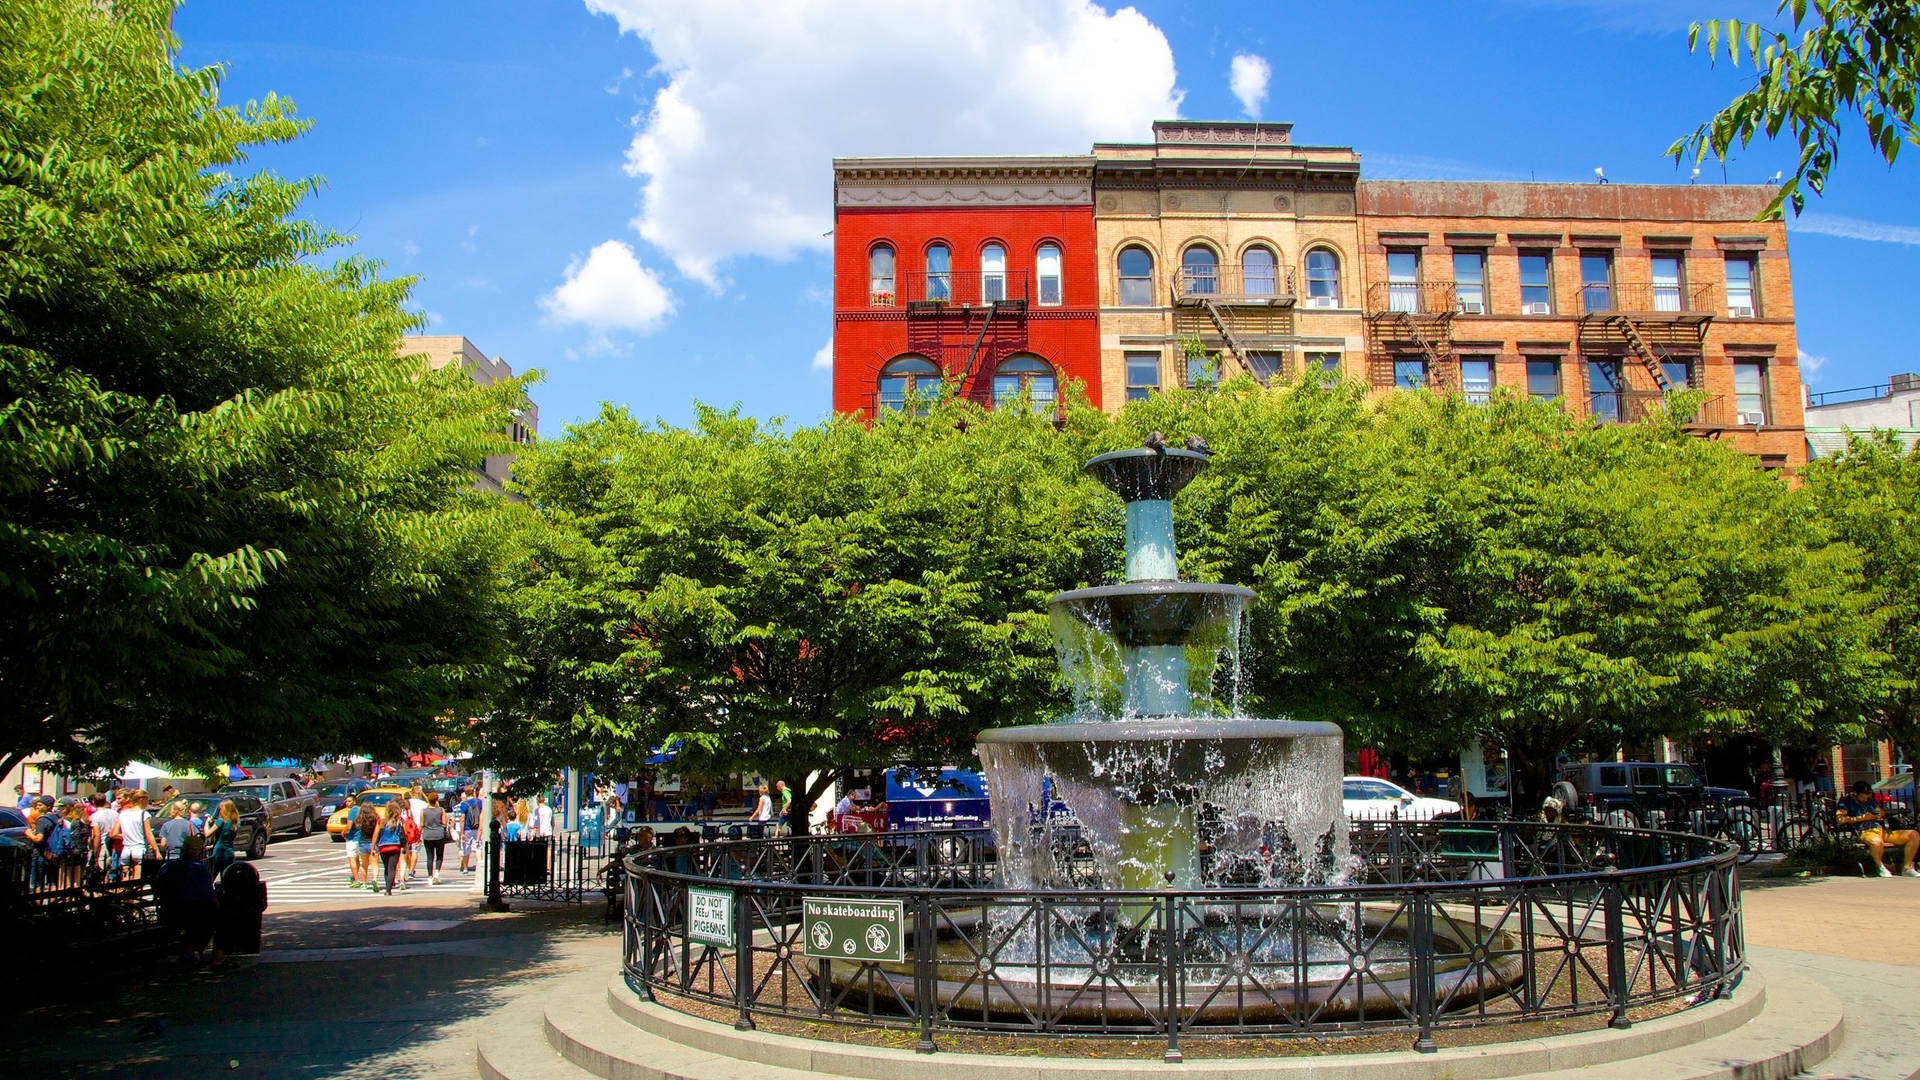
column 1234, row 285
column 1632, row 406
column 1642, row 300
column 923, row 291
column 1447, row 924
column 1411, row 298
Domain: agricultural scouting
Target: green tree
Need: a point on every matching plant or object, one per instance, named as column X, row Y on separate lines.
column 1855, row 58
column 232, row 522
column 1869, row 499
column 797, row 602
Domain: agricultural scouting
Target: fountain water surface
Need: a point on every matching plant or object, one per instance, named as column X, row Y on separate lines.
column 1156, row 781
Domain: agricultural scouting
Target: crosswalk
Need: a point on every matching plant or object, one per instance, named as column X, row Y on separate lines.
column 313, row 871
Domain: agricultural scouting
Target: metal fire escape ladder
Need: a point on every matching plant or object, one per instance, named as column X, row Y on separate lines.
column 1641, row 349
column 1437, row 352
column 1221, row 324
column 977, row 341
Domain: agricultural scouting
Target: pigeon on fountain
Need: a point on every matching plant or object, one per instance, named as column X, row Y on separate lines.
column 1198, row 445
column 1156, row 442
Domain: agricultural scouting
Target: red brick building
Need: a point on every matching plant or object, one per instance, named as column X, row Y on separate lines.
column 979, row 271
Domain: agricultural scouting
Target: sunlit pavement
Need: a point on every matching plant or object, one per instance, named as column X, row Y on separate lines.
column 312, row 872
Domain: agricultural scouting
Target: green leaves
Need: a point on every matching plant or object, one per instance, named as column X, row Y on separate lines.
column 1857, row 58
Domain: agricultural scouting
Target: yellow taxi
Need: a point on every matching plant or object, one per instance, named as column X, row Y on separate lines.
column 380, row 796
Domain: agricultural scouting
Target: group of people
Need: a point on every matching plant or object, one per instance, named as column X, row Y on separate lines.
column 404, row 835
column 114, row 835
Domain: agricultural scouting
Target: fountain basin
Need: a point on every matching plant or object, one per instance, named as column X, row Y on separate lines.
column 1146, row 613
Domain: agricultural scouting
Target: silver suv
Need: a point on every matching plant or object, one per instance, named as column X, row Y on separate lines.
column 289, row 804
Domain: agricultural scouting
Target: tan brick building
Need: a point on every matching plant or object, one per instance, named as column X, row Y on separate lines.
column 441, row 350
column 1606, row 296
column 1231, row 234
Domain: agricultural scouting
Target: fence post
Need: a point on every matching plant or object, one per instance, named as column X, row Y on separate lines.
column 923, row 957
column 639, row 922
column 1421, row 970
column 1616, row 928
column 742, row 959
column 494, row 902
column 1171, row 994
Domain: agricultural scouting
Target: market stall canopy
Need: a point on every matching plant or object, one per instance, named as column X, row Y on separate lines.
column 140, row 770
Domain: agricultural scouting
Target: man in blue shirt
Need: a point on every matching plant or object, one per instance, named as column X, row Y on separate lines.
column 469, row 829
column 21, row 800
column 1860, row 815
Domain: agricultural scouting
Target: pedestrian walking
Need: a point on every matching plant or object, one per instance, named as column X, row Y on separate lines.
column 175, row 831
column 762, row 805
column 222, row 830
column 352, row 808
column 516, row 826
column 433, row 835
column 470, row 815
column 366, row 830
column 78, row 853
column 392, row 842
column 416, row 806
column 543, row 816
column 136, row 835
column 102, row 820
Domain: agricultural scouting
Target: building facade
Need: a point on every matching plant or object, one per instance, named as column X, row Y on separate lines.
column 1225, row 248
column 978, row 271
column 443, row 350
column 1892, row 406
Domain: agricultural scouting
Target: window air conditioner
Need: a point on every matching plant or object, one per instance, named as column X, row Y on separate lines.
column 1754, row 418
column 1539, row 308
column 1323, row 301
column 1740, row 311
column 1472, row 307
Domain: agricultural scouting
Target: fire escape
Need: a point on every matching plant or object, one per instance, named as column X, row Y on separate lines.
column 967, row 323
column 1410, row 320
column 1662, row 328
column 1234, row 312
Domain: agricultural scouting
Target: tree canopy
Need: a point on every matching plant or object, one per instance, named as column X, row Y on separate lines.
column 232, row 521
column 1855, row 58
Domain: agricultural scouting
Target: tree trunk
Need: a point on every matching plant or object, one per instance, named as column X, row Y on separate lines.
column 12, row 761
column 800, row 816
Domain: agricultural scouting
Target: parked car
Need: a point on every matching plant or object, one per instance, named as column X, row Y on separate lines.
column 290, row 805
column 1369, row 798
column 330, row 796
column 250, row 839
column 13, row 828
column 380, row 796
column 1653, row 794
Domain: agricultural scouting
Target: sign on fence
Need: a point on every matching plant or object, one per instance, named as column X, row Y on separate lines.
column 710, row 917
column 855, row 929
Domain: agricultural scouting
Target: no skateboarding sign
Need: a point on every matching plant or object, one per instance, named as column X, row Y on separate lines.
column 866, row 930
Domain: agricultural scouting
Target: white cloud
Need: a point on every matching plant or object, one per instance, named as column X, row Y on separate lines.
column 1248, row 75
column 733, row 151
column 610, row 290
column 1854, row 228
column 1810, row 364
column 823, row 359
column 409, row 249
column 625, row 74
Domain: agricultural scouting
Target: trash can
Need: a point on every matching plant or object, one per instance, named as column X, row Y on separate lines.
column 524, row 862
column 243, row 904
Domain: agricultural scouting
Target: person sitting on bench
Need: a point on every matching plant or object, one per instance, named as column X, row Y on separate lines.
column 1858, row 814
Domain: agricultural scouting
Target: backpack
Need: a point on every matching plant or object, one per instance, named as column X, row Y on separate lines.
column 410, row 827
column 56, row 840
column 79, row 835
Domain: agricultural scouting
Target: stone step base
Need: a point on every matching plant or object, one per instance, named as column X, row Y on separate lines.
column 1769, row 1030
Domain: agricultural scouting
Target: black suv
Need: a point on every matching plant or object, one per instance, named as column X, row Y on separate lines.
column 1657, row 795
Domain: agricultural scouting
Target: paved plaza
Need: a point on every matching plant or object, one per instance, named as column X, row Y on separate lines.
column 356, row 986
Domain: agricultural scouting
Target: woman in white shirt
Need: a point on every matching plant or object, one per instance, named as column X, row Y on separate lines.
column 763, row 806
column 136, row 835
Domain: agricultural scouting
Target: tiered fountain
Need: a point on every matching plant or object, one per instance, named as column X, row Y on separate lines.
column 1164, row 785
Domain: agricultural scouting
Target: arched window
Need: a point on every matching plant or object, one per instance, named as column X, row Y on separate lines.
column 993, row 273
column 1136, row 277
column 1027, row 375
column 880, row 275
column 908, row 377
column 1259, row 271
column 1199, row 271
column 939, row 272
column 1323, row 278
column 1046, row 262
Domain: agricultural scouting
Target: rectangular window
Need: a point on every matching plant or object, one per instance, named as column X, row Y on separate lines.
column 1596, row 281
column 1476, row 379
column 1613, row 776
column 1543, row 379
column 1143, row 374
column 1470, row 282
column 1743, row 298
column 1750, row 391
column 1324, row 364
column 1667, row 286
column 1604, row 388
column 1536, row 283
column 1679, row 373
column 1264, row 365
column 1047, row 268
column 1203, row 371
column 1403, row 281
column 1409, row 374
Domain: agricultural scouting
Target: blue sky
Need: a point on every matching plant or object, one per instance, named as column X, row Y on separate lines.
column 631, row 194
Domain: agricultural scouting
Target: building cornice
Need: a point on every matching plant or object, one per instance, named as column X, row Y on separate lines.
column 948, row 181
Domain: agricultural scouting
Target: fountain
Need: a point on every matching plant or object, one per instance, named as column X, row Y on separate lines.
column 1165, row 785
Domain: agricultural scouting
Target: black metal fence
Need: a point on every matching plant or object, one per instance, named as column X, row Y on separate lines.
column 558, row 868
column 67, row 908
column 1447, row 924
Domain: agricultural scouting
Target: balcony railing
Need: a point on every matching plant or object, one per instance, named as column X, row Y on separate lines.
column 923, row 291
column 1647, row 300
column 1632, row 406
column 1234, row 285
column 1411, row 298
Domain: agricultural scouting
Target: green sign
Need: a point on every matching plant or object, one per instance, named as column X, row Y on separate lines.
column 855, row 929
column 710, row 917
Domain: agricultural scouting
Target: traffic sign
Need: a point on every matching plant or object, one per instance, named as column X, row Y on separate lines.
column 855, row 929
